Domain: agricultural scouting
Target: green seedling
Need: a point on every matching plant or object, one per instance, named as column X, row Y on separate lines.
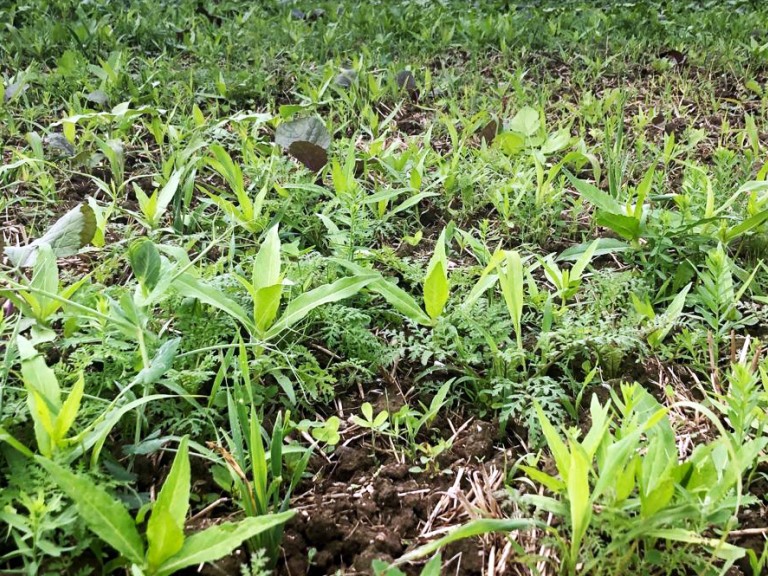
column 246, row 213
column 168, row 549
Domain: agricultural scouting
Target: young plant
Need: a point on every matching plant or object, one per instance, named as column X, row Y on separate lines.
column 567, row 282
column 154, row 206
column 274, row 474
column 376, row 425
column 246, row 212
column 168, row 549
column 626, row 477
column 266, row 288
column 436, row 289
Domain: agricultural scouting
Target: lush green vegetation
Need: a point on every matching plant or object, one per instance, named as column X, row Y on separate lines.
column 386, row 287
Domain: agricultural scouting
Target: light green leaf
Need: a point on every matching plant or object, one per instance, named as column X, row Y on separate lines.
column 627, row 227
column 558, row 448
column 436, row 290
column 578, row 496
column 266, row 267
column 102, row 514
column 69, row 410
column 165, row 529
column 45, row 278
column 670, row 317
column 512, row 281
column 266, row 304
column 580, row 265
column 604, row 246
column 165, row 196
column 433, row 567
column 720, row 549
column 218, row 541
column 468, row 530
column 400, row 300
column 526, row 122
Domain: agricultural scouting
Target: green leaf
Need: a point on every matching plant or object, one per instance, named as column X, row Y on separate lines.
column 400, row 300
column 594, row 195
column 69, row 410
column 468, row 530
column 188, row 285
column 45, row 278
column 526, row 122
column 748, row 224
column 436, row 290
column 720, row 549
column 558, row 448
column 512, row 283
column 436, row 281
column 509, row 143
column 160, row 363
column 165, row 529
column 44, row 394
column 580, row 265
column 670, row 317
column 326, row 294
column 266, row 304
column 578, row 496
column 102, row 514
column 218, row 541
column 266, row 266
column 70, row 233
column 604, row 246
column 165, row 196
column 145, row 263
column 627, row 227
column 433, row 567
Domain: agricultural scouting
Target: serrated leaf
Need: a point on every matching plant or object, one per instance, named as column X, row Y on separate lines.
column 102, row 514
column 67, row 235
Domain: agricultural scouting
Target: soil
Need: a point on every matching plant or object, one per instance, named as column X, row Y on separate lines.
column 367, row 505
